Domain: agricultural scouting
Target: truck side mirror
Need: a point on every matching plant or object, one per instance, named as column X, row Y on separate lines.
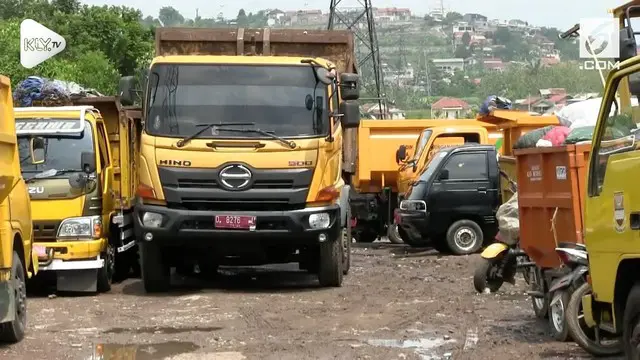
column 127, row 90
column 36, row 150
column 88, row 160
column 350, row 114
column 628, row 47
column 444, row 174
column 349, row 86
column 401, row 154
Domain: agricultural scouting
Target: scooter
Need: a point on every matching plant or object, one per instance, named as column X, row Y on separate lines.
column 499, row 264
column 565, row 307
column 574, row 256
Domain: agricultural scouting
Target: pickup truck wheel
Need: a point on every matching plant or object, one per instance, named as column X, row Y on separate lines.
column 13, row 332
column 155, row 271
column 105, row 274
column 393, row 234
column 331, row 268
column 464, row 237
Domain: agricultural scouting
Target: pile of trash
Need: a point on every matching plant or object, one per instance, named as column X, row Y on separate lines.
column 38, row 91
column 508, row 221
column 577, row 123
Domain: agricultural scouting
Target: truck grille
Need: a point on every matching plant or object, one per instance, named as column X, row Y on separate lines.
column 45, row 230
column 269, row 189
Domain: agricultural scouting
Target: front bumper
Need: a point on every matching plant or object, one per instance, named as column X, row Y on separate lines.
column 71, row 255
column 414, row 224
column 182, row 227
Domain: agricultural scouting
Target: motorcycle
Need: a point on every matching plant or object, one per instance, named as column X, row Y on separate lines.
column 500, row 262
column 565, row 308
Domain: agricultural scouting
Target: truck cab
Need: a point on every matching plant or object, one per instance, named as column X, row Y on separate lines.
column 244, row 157
column 453, row 202
column 66, row 163
column 17, row 261
column 428, row 143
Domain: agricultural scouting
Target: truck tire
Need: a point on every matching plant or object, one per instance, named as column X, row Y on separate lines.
column 156, row 275
column 331, row 268
column 577, row 329
column 393, row 234
column 464, row 237
column 13, row 332
column 347, row 239
column 631, row 324
column 106, row 273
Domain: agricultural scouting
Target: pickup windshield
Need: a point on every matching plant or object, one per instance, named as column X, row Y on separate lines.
column 418, row 189
column 61, row 152
column 284, row 100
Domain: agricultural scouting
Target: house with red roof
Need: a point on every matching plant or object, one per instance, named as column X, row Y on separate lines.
column 449, row 108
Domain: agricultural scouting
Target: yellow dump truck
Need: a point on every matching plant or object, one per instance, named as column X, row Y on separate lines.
column 247, row 151
column 17, row 262
column 384, row 173
column 80, row 165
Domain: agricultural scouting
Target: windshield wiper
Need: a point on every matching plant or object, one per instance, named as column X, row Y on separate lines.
column 290, row 144
column 50, row 173
column 206, row 127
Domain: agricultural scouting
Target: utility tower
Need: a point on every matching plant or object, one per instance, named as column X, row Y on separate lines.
column 359, row 19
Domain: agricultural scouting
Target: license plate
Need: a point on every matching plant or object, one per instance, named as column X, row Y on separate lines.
column 41, row 251
column 236, row 222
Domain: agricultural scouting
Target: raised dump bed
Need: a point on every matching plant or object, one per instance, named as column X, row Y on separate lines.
column 551, row 192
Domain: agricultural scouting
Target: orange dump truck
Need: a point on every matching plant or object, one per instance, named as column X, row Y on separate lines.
column 376, row 182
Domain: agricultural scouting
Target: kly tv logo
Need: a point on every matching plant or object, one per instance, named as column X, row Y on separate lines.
column 599, row 43
column 38, row 43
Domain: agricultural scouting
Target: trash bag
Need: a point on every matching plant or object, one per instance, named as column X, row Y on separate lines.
column 557, row 135
column 579, row 134
column 530, row 139
column 39, row 91
column 508, row 221
column 494, row 102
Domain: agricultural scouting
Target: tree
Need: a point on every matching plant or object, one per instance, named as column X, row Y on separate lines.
column 466, row 38
column 502, row 36
column 462, row 52
column 452, row 17
column 242, row 19
column 170, row 16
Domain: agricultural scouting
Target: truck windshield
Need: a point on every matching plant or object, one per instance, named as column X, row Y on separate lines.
column 284, row 100
column 422, row 143
column 61, row 152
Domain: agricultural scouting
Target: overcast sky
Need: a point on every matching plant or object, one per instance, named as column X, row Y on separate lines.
column 559, row 13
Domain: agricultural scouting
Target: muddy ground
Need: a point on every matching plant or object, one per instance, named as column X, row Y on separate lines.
column 397, row 303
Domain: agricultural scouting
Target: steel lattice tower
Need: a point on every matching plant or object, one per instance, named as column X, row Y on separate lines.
column 360, row 21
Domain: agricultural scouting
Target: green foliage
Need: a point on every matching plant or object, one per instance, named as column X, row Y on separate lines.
column 102, row 42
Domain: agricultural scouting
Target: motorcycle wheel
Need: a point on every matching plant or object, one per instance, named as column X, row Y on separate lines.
column 540, row 305
column 484, row 276
column 557, row 314
column 581, row 333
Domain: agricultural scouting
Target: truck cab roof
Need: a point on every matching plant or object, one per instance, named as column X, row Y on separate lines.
column 470, row 146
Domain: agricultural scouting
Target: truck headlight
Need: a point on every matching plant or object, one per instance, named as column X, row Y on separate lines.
column 413, row 205
column 152, row 220
column 81, row 227
column 319, row 221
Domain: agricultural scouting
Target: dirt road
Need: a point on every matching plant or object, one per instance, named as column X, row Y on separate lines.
column 397, row 303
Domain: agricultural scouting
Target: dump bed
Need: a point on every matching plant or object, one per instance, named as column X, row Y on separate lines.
column 376, row 163
column 336, row 46
column 124, row 129
column 7, row 141
column 551, row 195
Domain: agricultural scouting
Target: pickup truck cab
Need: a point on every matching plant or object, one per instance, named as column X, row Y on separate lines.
column 454, row 200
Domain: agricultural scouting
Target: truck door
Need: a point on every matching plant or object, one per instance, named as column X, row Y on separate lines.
column 612, row 207
column 467, row 187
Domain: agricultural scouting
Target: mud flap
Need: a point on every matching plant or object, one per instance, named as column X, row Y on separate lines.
column 84, row 280
column 587, row 310
column 7, row 301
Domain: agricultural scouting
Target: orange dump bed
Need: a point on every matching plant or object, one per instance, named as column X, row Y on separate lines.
column 551, row 191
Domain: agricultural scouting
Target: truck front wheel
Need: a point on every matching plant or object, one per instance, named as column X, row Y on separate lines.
column 464, row 237
column 13, row 331
column 155, row 271
column 331, row 268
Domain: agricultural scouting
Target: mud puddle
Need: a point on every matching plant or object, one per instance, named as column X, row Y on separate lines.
column 426, row 348
column 142, row 351
column 162, row 330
